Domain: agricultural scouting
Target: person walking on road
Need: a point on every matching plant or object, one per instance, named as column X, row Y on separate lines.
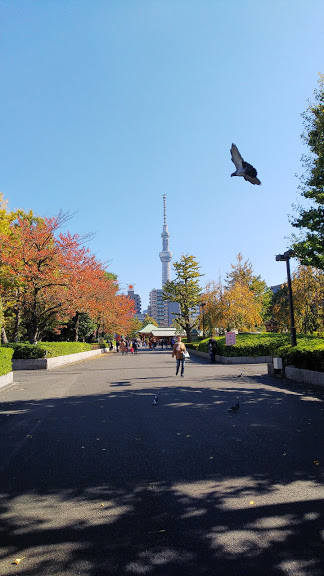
column 123, row 347
column 212, row 350
column 178, row 351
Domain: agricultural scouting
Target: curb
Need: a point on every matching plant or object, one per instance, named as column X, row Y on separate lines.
column 6, row 379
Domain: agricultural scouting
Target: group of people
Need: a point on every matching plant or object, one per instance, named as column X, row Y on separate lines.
column 126, row 346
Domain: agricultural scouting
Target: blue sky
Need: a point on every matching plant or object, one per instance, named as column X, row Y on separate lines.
column 107, row 105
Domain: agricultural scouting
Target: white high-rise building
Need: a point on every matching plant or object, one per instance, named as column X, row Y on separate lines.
column 158, row 308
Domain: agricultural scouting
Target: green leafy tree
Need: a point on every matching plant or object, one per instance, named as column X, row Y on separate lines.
column 186, row 291
column 148, row 320
column 135, row 326
column 309, row 246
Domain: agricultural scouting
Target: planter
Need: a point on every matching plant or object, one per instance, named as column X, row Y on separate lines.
column 50, row 363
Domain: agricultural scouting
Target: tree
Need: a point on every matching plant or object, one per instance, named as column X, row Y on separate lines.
column 54, row 277
column 241, row 311
column 280, row 309
column 8, row 284
column 242, row 272
column 135, row 326
column 149, row 320
column 186, row 291
column 214, row 309
column 309, row 246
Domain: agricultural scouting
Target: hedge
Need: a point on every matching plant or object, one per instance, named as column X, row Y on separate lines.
column 51, row 349
column 5, row 360
column 246, row 345
column 309, row 352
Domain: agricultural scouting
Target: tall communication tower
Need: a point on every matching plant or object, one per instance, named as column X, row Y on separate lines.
column 165, row 255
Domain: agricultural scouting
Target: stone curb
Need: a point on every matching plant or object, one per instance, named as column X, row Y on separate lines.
column 50, row 363
column 301, row 375
column 6, row 379
column 233, row 359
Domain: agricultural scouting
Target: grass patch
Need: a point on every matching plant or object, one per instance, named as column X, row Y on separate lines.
column 5, row 360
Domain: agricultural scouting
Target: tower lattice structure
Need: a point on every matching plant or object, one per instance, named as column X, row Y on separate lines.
column 165, row 255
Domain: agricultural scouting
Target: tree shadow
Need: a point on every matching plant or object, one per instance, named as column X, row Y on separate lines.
column 109, row 484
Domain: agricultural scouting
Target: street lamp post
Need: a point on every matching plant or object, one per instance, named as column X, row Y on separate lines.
column 285, row 258
column 203, row 304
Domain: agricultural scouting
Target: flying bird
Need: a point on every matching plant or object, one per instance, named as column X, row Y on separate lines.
column 234, row 408
column 244, row 169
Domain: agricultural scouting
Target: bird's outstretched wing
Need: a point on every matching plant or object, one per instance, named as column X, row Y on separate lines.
column 252, row 179
column 236, row 157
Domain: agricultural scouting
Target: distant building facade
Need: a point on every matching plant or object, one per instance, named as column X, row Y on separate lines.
column 158, row 309
column 136, row 298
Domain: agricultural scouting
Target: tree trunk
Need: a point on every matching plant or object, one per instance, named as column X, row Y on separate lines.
column 188, row 333
column 32, row 332
column 4, row 338
column 77, row 323
column 16, row 326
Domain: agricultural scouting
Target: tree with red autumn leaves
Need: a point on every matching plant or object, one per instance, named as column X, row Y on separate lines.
column 53, row 276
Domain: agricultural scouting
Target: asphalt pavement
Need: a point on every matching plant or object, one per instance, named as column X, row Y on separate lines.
column 97, row 479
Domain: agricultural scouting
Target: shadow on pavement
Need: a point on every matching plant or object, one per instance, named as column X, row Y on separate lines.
column 182, row 488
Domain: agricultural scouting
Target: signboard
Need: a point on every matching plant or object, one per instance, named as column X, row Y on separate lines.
column 230, row 338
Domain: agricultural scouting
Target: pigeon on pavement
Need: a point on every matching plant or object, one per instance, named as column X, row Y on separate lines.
column 244, row 169
column 234, row 408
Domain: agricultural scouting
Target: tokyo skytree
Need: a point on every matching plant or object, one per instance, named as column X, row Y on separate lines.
column 165, row 255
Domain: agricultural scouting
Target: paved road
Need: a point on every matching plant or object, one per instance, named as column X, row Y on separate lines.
column 96, row 480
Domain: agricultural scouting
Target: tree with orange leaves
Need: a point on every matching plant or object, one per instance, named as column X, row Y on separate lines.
column 57, row 277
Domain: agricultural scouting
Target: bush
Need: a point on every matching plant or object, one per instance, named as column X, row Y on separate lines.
column 50, row 349
column 64, row 348
column 246, row 345
column 24, row 350
column 5, row 360
column 308, row 354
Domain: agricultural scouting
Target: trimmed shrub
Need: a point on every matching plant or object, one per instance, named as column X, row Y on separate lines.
column 308, row 354
column 25, row 350
column 54, row 349
column 5, row 360
column 246, row 345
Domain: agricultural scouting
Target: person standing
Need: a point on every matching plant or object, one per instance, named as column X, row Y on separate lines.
column 123, row 347
column 178, row 351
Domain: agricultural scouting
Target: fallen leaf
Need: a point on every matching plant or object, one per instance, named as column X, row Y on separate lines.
column 251, row 502
column 211, row 457
column 316, row 462
column 29, row 436
column 285, row 454
column 101, row 504
column 18, row 560
column 188, row 435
